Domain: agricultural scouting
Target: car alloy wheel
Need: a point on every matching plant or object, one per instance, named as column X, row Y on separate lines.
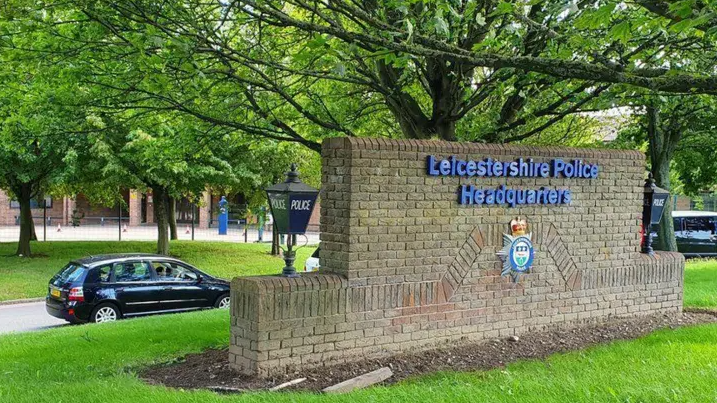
column 224, row 303
column 105, row 314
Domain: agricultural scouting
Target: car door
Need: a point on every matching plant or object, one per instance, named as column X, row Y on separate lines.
column 135, row 287
column 700, row 235
column 181, row 287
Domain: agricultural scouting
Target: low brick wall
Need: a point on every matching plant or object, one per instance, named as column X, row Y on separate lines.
column 405, row 267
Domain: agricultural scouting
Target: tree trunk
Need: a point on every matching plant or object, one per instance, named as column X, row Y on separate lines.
column 275, row 249
column 172, row 211
column 662, row 144
column 161, row 217
column 33, row 236
column 27, row 227
column 410, row 116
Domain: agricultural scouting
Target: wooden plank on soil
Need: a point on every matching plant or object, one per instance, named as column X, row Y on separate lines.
column 285, row 384
column 361, row 381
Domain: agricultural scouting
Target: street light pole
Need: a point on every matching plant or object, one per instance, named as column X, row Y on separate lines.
column 289, row 258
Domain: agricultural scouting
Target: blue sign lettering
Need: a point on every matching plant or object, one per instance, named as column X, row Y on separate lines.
column 520, row 168
column 471, row 195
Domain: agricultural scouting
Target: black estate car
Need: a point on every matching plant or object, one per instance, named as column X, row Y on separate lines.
column 695, row 232
column 108, row 287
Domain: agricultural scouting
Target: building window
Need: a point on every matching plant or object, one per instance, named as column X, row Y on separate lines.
column 33, row 203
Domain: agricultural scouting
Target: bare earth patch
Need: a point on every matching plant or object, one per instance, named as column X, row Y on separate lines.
column 210, row 369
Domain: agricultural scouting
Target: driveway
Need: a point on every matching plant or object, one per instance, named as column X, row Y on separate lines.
column 26, row 317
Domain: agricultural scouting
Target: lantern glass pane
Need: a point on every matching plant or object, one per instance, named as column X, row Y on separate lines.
column 279, row 203
column 658, row 206
column 301, row 205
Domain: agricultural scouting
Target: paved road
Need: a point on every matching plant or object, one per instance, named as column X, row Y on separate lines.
column 26, row 317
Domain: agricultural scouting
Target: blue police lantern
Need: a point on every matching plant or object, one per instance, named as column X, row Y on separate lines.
column 291, row 204
column 654, row 200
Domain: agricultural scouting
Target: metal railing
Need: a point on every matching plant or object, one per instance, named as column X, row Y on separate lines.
column 120, row 227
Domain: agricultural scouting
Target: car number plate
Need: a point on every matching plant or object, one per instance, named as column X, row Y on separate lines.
column 55, row 292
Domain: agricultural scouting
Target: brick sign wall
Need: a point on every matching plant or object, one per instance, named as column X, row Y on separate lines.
column 405, row 265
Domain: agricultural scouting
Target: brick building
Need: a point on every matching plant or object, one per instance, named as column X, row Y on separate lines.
column 59, row 210
column 138, row 209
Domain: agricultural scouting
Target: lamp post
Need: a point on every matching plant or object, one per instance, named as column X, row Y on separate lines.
column 653, row 205
column 291, row 204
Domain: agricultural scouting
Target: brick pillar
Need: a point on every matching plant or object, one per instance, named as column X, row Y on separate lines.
column 150, row 207
column 7, row 215
column 69, row 207
column 205, row 210
column 135, row 208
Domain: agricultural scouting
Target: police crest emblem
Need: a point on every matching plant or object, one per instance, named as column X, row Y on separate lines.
column 517, row 253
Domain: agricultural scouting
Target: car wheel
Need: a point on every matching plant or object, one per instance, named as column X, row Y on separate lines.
column 105, row 313
column 223, row 302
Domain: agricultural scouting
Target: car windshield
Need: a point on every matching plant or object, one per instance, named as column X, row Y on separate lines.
column 72, row 272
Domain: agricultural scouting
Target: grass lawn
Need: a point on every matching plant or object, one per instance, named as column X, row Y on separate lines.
column 701, row 283
column 28, row 277
column 96, row 363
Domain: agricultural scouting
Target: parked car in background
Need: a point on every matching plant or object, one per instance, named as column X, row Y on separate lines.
column 694, row 232
column 312, row 263
column 109, row 287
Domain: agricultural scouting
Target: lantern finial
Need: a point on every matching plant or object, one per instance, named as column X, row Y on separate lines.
column 649, row 183
column 293, row 175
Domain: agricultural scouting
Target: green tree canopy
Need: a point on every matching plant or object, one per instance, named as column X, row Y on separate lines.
column 40, row 125
column 295, row 71
column 507, row 70
column 170, row 155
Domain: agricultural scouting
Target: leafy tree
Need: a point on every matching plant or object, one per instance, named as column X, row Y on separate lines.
column 171, row 156
column 293, row 71
column 259, row 164
column 695, row 165
column 514, row 67
column 39, row 127
column 248, row 67
column 677, row 132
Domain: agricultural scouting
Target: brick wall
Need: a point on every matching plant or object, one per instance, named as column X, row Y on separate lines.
column 404, row 266
column 8, row 215
column 682, row 203
column 93, row 212
column 315, row 219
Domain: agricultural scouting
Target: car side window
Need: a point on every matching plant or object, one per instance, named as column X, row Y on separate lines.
column 103, row 273
column 677, row 223
column 699, row 224
column 129, row 272
column 170, row 271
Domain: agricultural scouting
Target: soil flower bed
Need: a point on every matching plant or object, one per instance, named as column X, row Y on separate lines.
column 210, row 369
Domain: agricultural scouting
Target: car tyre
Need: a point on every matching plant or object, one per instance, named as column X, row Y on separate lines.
column 223, row 302
column 105, row 313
